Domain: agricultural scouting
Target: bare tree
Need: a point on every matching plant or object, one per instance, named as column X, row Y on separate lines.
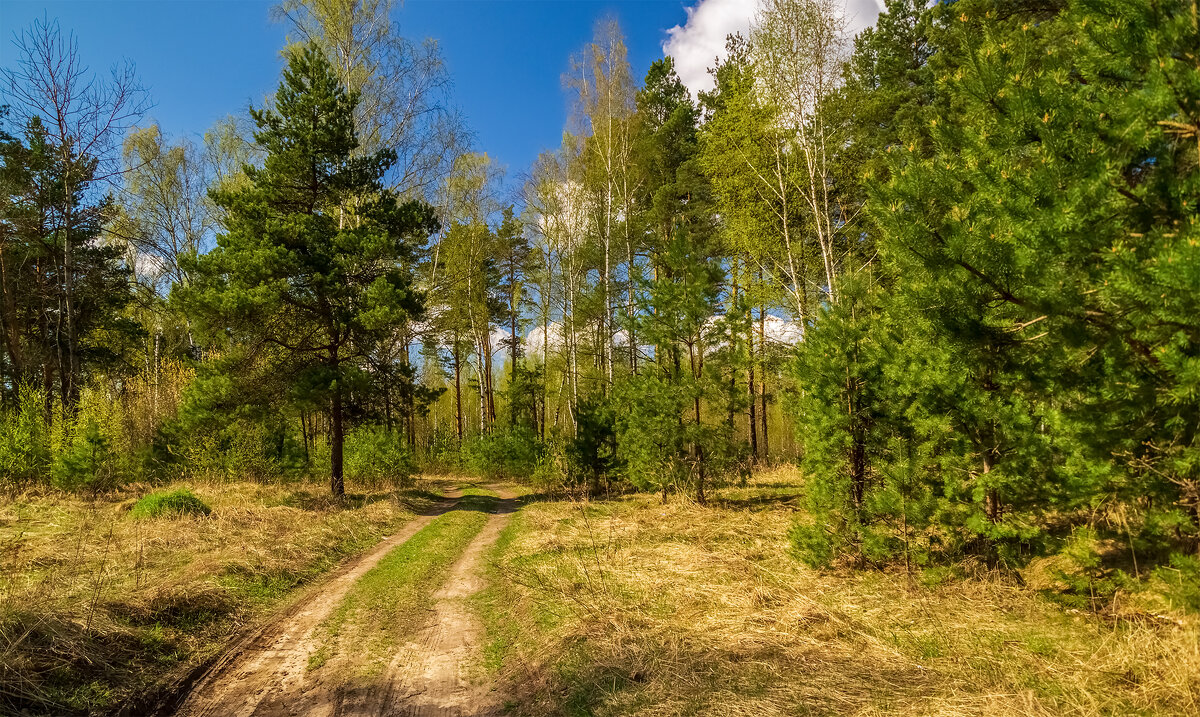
column 84, row 116
column 168, row 215
column 604, row 115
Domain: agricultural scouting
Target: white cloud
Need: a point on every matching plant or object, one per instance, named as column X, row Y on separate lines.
column 861, row 14
column 697, row 43
column 535, row 342
column 782, row 331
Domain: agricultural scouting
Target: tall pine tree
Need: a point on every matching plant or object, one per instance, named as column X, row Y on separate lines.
column 318, row 259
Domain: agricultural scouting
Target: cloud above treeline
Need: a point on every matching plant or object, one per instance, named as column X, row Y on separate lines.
column 696, row 45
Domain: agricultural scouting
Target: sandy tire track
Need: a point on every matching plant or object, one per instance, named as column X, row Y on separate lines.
column 274, row 658
column 430, row 676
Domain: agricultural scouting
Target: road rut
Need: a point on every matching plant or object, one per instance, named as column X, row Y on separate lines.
column 430, row 676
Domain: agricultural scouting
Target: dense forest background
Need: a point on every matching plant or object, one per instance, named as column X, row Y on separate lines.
column 951, row 266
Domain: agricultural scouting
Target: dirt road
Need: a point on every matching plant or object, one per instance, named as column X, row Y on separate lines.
column 267, row 674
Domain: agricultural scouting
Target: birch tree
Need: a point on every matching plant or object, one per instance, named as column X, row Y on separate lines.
column 77, row 119
column 403, row 85
column 605, row 117
column 800, row 48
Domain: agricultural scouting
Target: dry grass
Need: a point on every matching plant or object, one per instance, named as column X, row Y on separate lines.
column 96, row 608
column 632, row 607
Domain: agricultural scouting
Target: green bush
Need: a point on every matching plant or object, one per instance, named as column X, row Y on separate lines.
column 513, row 453
column 591, row 453
column 550, row 473
column 1088, row 583
column 24, row 442
column 375, row 455
column 1182, row 581
column 88, row 462
column 172, row 504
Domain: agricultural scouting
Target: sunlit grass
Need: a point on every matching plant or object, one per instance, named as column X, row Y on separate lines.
column 631, row 607
column 97, row 608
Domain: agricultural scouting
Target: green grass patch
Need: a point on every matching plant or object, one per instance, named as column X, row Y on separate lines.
column 384, row 604
column 169, row 504
column 494, row 602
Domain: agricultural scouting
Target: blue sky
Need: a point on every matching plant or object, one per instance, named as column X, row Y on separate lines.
column 203, row 59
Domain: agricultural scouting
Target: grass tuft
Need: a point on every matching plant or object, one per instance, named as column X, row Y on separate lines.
column 169, row 504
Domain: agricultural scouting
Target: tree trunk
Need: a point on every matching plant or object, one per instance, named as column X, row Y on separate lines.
column 458, row 414
column 991, row 499
column 70, row 373
column 12, row 327
column 407, row 397
column 304, row 433
column 546, row 370
column 481, row 380
column 630, row 333
column 762, row 356
column 606, row 334
column 387, row 405
column 697, row 449
column 491, row 388
column 336, row 485
column 752, row 428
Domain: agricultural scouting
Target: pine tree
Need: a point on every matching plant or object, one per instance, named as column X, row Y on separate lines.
column 317, row 260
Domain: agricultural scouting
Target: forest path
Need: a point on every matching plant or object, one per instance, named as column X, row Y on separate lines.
column 268, row 675
column 432, row 675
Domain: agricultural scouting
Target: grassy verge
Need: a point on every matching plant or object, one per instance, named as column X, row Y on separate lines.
column 381, row 607
column 98, row 608
column 634, row 607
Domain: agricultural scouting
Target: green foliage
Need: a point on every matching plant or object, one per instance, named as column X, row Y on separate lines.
column 376, row 455
column 1090, row 584
column 1023, row 351
column 550, row 473
column 169, row 504
column 55, row 260
column 652, row 445
column 88, row 462
column 1182, row 580
column 592, row 459
column 315, row 242
column 512, row 453
column 25, row 455
column 838, row 374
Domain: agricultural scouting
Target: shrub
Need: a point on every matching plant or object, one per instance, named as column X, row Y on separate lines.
column 87, row 463
column 24, row 443
column 375, row 455
column 1089, row 583
column 592, row 453
column 1182, row 581
column 169, row 504
column 550, row 474
column 513, row 453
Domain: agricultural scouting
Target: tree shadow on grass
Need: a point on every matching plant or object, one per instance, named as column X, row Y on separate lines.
column 582, row 679
column 759, row 502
